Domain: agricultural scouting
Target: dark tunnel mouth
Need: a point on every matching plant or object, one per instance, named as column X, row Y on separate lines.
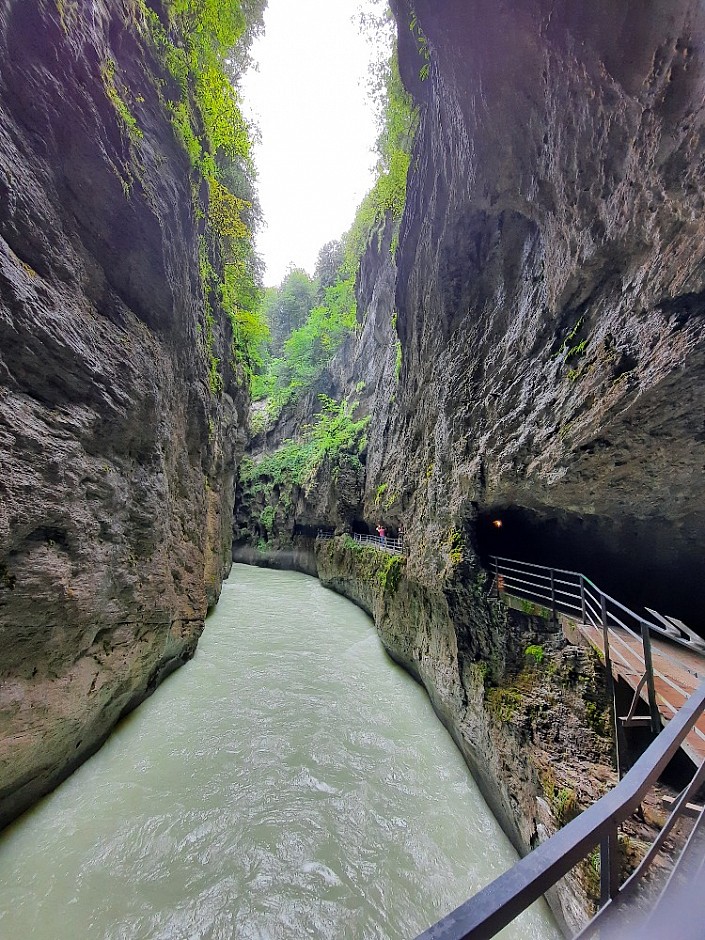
column 640, row 562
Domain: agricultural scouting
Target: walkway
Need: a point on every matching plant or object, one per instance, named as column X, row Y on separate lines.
column 677, row 673
column 663, row 672
column 391, row 546
column 678, row 665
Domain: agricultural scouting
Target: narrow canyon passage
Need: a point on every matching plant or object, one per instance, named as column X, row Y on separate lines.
column 290, row 781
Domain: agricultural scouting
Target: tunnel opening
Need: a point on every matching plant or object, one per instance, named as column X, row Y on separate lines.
column 305, row 530
column 640, row 562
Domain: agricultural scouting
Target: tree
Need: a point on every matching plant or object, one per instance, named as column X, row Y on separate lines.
column 286, row 308
column 330, row 259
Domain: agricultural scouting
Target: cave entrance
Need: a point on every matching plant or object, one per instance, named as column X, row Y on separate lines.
column 304, row 530
column 641, row 563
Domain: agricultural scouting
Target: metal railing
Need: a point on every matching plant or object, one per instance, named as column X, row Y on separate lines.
column 500, row 902
column 393, row 546
column 576, row 596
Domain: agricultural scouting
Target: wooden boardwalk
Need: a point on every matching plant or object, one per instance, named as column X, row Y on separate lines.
column 677, row 673
column 585, row 611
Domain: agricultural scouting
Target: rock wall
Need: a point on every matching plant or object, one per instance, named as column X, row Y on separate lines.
column 551, row 286
column 116, row 460
column 533, row 730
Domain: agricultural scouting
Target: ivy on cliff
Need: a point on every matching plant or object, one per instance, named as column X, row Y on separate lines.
column 202, row 44
column 332, row 434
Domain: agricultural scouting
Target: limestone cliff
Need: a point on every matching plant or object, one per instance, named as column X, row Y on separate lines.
column 116, row 458
column 551, row 287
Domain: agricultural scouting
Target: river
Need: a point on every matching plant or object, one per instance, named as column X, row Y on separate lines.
column 289, row 782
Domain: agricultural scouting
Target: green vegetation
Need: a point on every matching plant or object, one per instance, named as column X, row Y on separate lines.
column 564, row 805
column 598, row 719
column 333, row 434
column 502, row 703
column 202, row 45
column 381, row 490
column 590, row 870
column 422, row 46
column 197, row 45
column 563, row 800
column 565, row 345
column 285, row 308
column 481, row 671
column 129, row 122
column 388, row 195
column 375, row 564
column 570, row 348
column 455, row 546
column 535, row 653
column 267, row 518
column 307, row 323
column 384, row 497
column 391, row 570
column 67, row 14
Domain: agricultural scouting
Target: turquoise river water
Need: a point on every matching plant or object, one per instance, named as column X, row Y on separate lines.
column 289, row 782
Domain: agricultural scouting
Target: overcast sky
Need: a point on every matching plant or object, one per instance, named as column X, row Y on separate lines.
column 317, row 127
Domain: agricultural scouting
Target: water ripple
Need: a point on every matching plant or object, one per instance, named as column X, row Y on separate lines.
column 289, row 782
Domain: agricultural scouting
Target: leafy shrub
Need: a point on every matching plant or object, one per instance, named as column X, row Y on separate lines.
column 332, row 434
column 535, row 653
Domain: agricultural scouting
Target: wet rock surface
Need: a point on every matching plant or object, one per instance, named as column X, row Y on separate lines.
column 550, row 288
column 534, row 730
column 116, row 461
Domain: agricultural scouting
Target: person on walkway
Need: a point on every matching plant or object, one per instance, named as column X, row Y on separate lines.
column 381, row 532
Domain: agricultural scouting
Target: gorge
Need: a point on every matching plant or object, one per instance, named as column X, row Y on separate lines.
column 523, row 341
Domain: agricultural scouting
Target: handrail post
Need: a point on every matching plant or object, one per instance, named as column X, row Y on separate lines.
column 609, row 867
column 583, row 605
column 553, row 596
column 496, row 575
column 648, row 663
column 611, row 691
